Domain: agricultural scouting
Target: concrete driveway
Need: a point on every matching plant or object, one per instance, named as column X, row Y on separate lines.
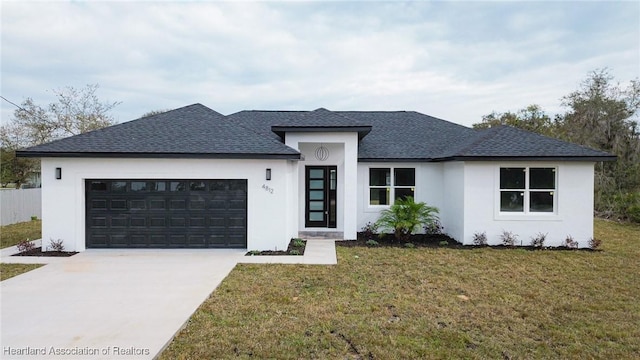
column 105, row 304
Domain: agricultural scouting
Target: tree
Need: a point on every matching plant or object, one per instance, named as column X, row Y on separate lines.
column 74, row 112
column 603, row 115
column 531, row 118
column 154, row 112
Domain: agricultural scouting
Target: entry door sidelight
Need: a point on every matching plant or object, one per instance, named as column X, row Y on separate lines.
column 321, row 194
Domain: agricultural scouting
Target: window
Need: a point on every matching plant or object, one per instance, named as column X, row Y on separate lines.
column 383, row 187
column 527, row 190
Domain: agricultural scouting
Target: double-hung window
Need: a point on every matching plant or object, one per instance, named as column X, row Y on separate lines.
column 527, row 189
column 383, row 186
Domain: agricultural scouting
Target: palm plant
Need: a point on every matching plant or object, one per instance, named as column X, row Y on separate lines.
column 406, row 216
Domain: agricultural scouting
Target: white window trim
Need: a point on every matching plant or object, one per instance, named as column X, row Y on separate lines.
column 392, row 187
column 526, row 214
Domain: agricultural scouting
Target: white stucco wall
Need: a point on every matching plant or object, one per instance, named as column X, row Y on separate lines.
column 574, row 215
column 269, row 224
column 453, row 205
column 467, row 194
column 428, row 189
column 343, row 153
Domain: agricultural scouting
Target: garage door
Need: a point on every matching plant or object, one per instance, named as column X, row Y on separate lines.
column 166, row 213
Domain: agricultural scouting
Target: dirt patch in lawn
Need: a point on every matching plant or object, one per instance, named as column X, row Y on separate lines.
column 38, row 252
column 295, row 247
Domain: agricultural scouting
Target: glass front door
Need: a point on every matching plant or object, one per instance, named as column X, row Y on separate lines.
column 321, row 194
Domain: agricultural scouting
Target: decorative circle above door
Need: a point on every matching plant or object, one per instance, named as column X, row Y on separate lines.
column 322, row 153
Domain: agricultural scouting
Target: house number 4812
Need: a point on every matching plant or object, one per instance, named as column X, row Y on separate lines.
column 267, row 188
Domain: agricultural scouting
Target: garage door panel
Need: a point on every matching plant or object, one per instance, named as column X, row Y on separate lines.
column 166, row 213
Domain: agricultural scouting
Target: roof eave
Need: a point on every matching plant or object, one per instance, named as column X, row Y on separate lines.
column 48, row 154
column 530, row 158
column 361, row 130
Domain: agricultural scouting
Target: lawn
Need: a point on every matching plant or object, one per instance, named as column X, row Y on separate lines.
column 383, row 303
column 12, row 234
column 10, row 270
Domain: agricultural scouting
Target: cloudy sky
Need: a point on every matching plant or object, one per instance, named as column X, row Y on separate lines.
column 453, row 60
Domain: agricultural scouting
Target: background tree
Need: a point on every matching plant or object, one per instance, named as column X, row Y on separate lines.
column 74, row 112
column 602, row 115
column 531, row 118
column 154, row 112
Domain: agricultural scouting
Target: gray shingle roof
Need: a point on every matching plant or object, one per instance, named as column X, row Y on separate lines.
column 191, row 131
column 509, row 142
column 197, row 131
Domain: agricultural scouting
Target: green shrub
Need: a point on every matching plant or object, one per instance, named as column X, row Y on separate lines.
column 372, row 242
column 444, row 243
column 298, row 242
column 406, row 216
column 294, row 252
column 409, row 245
column 369, row 230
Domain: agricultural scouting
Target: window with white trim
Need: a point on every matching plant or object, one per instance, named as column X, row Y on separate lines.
column 527, row 189
column 383, row 187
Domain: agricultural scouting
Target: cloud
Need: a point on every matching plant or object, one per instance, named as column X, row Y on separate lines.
column 454, row 60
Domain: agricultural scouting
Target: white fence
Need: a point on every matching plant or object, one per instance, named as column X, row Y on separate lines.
column 20, row 205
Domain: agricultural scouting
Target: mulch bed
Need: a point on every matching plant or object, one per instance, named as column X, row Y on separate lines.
column 291, row 250
column 437, row 241
column 418, row 240
column 38, row 252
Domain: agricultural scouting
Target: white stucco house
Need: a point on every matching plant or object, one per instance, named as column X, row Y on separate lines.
column 194, row 178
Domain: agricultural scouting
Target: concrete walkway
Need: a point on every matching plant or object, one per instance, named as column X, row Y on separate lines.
column 105, row 304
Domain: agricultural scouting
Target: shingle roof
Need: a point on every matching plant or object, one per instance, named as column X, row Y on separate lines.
column 509, row 142
column 197, row 131
column 191, row 131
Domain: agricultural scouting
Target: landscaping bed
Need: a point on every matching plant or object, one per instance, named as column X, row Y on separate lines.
column 38, row 252
column 295, row 247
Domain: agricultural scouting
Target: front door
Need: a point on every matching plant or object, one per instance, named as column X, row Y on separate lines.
column 321, row 194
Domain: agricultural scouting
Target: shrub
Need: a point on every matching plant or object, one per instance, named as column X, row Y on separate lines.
column 372, row 242
column 570, row 243
column 594, row 243
column 434, row 228
column 444, row 243
column 480, row 238
column 370, row 230
column 508, row 238
column 25, row 245
column 538, row 240
column 56, row 245
column 409, row 245
column 34, row 218
column 406, row 216
column 294, row 252
column 255, row 252
column 298, row 242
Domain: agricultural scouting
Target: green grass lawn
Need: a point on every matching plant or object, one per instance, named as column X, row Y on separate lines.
column 12, row 234
column 391, row 303
column 10, row 270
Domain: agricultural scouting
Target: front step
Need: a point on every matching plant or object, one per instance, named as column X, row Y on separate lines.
column 321, row 235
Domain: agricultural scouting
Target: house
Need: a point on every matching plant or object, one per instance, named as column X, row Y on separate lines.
column 194, row 178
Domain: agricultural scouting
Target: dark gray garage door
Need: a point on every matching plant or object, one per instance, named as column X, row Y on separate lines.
column 166, row 213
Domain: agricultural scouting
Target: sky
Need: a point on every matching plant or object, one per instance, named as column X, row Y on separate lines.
column 453, row 60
